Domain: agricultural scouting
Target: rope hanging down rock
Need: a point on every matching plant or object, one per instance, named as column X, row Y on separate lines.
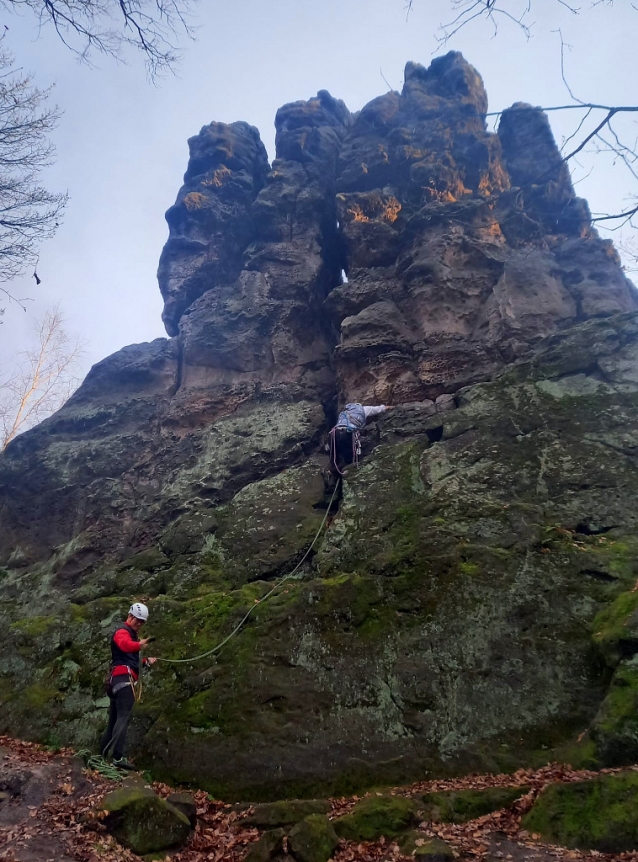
column 265, row 598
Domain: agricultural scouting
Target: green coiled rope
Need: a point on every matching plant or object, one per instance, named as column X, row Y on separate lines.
column 98, row 764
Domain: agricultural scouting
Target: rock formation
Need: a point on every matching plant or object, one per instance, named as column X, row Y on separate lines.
column 470, row 603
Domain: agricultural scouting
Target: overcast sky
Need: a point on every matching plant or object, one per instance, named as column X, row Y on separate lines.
column 121, row 143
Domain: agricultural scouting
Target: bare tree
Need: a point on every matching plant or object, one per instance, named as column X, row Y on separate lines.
column 107, row 26
column 42, row 380
column 29, row 213
column 518, row 12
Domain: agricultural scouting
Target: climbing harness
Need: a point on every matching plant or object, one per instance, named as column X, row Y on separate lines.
column 351, row 420
column 356, row 447
column 285, row 578
column 136, row 685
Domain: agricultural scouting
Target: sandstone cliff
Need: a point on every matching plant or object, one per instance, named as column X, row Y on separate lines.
column 471, row 602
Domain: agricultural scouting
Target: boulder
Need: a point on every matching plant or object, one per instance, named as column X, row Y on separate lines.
column 459, row 806
column 377, row 816
column 140, row 820
column 266, row 847
column 285, row 812
column 313, row 839
column 184, row 802
column 599, row 814
column 420, row 846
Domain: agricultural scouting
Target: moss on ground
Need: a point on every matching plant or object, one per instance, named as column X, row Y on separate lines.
column 420, row 846
column 285, row 812
column 377, row 816
column 313, row 839
column 463, row 805
column 590, row 815
column 142, row 821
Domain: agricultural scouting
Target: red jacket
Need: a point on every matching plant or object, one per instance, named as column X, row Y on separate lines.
column 122, row 643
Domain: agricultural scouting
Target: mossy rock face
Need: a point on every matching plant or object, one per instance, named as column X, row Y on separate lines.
column 419, row 846
column 466, row 609
column 313, row 839
column 614, row 730
column 462, row 805
column 148, row 560
column 140, row 820
column 285, row 812
column 377, row 816
column 589, row 815
column 268, row 522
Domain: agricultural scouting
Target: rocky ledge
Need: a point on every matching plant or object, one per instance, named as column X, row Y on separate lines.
column 471, row 603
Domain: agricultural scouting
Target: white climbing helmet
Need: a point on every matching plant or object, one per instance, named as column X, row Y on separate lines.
column 139, row 611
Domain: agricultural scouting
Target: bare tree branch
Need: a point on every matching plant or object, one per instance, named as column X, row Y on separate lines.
column 28, row 213
column 107, row 26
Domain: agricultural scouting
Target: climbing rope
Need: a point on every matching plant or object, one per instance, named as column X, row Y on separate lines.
column 262, row 600
column 98, row 764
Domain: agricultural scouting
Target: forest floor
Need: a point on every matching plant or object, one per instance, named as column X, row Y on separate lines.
column 47, row 799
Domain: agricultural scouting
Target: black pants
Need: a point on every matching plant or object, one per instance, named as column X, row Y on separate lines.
column 113, row 739
column 342, row 452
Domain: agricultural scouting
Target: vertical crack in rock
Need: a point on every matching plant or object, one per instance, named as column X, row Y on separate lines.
column 264, row 329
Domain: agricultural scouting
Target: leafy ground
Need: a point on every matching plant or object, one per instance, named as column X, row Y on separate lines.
column 46, row 801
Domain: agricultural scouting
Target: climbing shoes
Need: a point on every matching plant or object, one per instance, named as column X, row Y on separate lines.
column 123, row 763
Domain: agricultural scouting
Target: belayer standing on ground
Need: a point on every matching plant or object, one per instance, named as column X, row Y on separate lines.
column 126, row 664
column 345, row 437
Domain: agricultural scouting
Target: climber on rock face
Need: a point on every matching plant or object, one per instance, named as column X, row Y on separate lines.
column 345, row 437
column 125, row 671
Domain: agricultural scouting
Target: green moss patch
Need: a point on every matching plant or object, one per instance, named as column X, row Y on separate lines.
column 267, row 847
column 313, row 839
column 285, row 812
column 614, row 731
column 377, row 816
column 615, row 628
column 420, row 846
column 589, row 815
column 140, row 820
column 34, row 626
column 463, row 805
